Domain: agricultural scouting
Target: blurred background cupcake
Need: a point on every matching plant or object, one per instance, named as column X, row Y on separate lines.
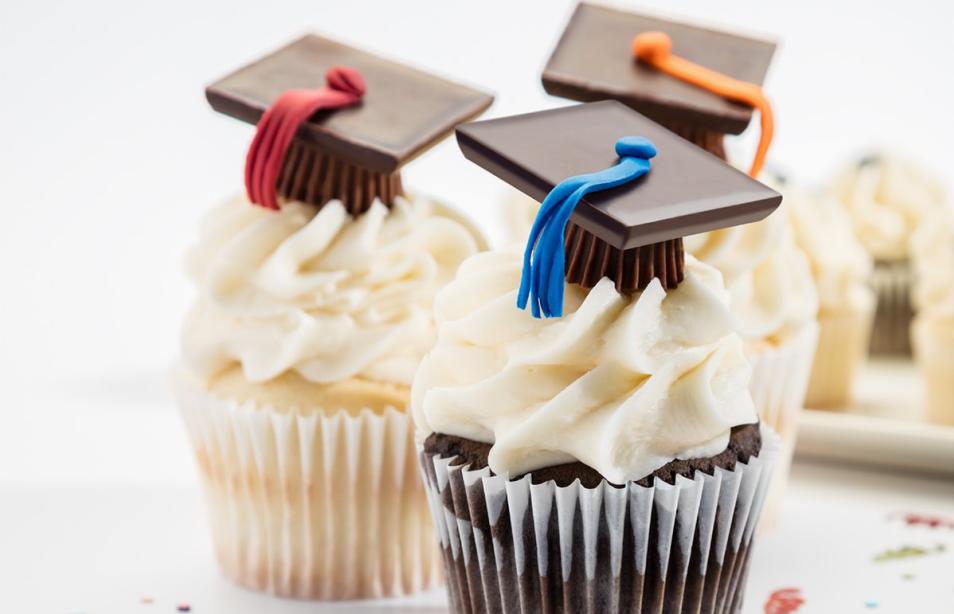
column 774, row 303
column 887, row 198
column 841, row 268
column 314, row 308
column 932, row 249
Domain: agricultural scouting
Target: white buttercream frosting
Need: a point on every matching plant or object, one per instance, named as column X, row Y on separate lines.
column 318, row 292
column 932, row 249
column 840, row 264
column 887, row 199
column 773, row 295
column 624, row 384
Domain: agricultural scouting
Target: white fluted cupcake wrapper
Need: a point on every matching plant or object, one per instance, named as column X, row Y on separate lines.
column 779, row 384
column 842, row 349
column 780, row 378
column 512, row 546
column 317, row 506
column 891, row 281
column 934, row 349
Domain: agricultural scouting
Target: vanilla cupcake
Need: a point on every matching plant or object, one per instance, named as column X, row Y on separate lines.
column 932, row 247
column 315, row 306
column 887, row 199
column 841, row 267
column 774, row 304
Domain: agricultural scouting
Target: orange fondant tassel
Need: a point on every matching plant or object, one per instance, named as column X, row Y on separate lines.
column 655, row 49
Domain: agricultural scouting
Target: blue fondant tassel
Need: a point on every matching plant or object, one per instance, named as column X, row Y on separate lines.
column 543, row 261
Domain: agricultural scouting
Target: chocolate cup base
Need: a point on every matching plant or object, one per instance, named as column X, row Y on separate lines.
column 589, row 259
column 313, row 176
column 710, row 140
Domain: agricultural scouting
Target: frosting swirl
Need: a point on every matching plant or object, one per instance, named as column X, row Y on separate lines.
column 769, row 279
column 887, row 199
column 624, row 384
column 839, row 262
column 319, row 293
column 932, row 248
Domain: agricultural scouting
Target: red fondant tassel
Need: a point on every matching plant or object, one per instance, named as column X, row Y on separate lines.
column 277, row 128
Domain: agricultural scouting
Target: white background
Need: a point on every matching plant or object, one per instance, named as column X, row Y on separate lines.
column 109, row 154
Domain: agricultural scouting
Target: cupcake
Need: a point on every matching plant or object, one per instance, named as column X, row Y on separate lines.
column 887, row 199
column 932, row 248
column 841, row 268
column 700, row 106
column 315, row 306
column 593, row 445
column 773, row 302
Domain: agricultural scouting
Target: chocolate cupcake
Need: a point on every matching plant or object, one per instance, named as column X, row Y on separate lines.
column 315, row 305
column 595, row 447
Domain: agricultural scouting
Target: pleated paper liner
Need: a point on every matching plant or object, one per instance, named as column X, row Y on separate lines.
column 511, row 546
column 842, row 350
column 589, row 259
column 934, row 350
column 778, row 386
column 891, row 281
column 316, row 506
column 313, row 176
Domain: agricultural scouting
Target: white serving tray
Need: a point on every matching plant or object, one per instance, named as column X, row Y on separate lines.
column 884, row 426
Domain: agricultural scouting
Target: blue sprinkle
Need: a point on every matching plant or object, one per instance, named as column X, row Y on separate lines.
column 871, row 605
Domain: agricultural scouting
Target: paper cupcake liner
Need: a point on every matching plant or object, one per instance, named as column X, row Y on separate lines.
column 891, row 281
column 934, row 350
column 779, row 384
column 842, row 349
column 780, row 378
column 512, row 546
column 318, row 506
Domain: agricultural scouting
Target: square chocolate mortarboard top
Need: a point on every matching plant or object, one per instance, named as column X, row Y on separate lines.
column 403, row 112
column 594, row 61
column 687, row 190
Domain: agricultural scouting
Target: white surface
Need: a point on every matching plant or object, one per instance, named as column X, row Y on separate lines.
column 100, row 550
column 884, row 426
column 110, row 154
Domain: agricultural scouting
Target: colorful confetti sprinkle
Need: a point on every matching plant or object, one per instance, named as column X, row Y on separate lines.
column 146, row 600
column 183, row 607
column 925, row 520
column 871, row 604
column 907, row 552
column 784, row 601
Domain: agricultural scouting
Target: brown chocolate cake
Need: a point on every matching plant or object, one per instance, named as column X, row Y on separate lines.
column 744, row 442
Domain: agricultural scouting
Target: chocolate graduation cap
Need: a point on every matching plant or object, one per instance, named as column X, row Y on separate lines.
column 632, row 232
column 595, row 59
column 372, row 117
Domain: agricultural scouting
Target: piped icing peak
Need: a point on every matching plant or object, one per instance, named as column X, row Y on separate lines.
column 321, row 293
column 622, row 383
